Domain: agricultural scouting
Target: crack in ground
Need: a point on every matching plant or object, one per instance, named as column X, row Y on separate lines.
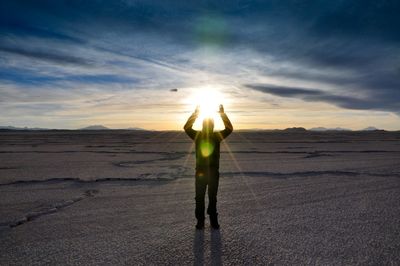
column 144, row 177
column 52, row 209
column 98, row 180
column 8, row 168
column 169, row 157
column 307, row 173
column 186, row 153
column 160, row 176
column 316, row 154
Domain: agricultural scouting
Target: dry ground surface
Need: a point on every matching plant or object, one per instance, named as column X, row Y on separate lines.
column 127, row 197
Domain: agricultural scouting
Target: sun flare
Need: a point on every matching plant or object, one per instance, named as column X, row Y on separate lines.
column 208, row 100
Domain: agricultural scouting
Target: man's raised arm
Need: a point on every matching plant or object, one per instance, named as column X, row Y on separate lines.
column 189, row 124
column 227, row 123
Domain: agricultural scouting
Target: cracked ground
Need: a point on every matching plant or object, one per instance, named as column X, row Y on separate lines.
column 127, row 198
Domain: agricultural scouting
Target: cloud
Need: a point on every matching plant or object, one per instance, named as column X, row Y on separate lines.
column 47, row 56
column 29, row 78
column 313, row 95
column 340, row 52
column 15, row 28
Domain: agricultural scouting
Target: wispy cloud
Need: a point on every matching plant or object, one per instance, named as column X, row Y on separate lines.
column 314, row 95
column 28, row 78
column 344, row 53
column 46, row 56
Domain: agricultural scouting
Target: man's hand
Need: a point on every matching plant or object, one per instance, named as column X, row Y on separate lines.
column 189, row 124
column 221, row 109
column 196, row 111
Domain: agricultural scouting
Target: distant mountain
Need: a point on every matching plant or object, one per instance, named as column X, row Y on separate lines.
column 134, row 128
column 95, row 127
column 21, row 128
column 370, row 129
column 295, row 129
column 11, row 128
column 329, row 129
column 92, row 127
column 257, row 129
column 101, row 127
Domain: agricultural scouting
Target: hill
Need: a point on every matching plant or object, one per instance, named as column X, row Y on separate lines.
column 95, row 127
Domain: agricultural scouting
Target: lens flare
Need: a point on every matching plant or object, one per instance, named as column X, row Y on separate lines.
column 209, row 101
column 206, row 148
column 208, row 98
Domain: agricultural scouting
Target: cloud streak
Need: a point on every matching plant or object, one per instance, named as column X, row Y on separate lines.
column 344, row 53
column 46, row 56
column 314, row 95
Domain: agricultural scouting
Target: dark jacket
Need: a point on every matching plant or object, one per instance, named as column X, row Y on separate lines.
column 207, row 144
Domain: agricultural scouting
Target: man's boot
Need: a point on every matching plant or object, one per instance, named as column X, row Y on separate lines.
column 200, row 224
column 214, row 221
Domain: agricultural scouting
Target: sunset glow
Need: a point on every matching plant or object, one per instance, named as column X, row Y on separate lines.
column 208, row 99
column 272, row 65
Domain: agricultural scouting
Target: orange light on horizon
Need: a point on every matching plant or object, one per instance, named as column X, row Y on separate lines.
column 208, row 99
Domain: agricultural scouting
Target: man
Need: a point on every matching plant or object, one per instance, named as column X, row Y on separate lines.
column 207, row 164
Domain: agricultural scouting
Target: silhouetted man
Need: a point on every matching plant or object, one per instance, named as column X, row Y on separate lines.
column 207, row 164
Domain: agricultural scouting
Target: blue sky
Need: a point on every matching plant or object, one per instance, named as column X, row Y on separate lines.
column 68, row 64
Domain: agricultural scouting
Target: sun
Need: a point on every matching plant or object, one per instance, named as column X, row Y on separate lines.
column 208, row 99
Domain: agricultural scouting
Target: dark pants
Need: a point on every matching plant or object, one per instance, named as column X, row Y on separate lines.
column 206, row 177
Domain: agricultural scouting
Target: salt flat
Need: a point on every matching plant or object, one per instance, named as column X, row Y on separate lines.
column 127, row 197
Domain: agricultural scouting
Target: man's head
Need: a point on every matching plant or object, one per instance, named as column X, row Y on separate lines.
column 208, row 125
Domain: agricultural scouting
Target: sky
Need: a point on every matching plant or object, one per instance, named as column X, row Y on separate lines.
column 272, row 64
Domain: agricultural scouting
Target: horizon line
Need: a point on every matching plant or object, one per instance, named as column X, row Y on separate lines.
column 105, row 128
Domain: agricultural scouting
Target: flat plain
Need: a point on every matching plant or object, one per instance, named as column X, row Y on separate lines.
column 127, row 197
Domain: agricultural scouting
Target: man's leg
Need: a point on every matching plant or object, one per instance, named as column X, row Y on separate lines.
column 213, row 183
column 201, row 185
